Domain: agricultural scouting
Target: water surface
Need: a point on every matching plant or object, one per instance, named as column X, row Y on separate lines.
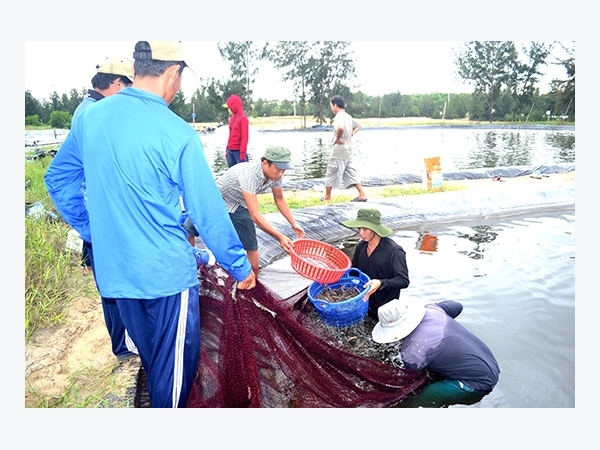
column 383, row 151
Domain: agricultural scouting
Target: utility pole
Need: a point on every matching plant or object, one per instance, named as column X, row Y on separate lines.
column 568, row 106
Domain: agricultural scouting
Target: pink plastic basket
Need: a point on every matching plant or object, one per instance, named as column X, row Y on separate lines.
column 318, row 261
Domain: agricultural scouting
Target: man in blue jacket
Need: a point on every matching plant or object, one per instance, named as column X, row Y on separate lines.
column 140, row 159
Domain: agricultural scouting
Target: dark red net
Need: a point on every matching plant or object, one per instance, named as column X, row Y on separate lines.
column 258, row 351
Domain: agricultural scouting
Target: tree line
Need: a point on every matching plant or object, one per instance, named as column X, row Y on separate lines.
column 505, row 80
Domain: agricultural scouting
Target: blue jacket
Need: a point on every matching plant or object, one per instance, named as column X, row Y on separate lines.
column 139, row 158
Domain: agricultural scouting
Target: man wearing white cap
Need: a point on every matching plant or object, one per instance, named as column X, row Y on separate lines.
column 113, row 74
column 140, row 160
column 432, row 340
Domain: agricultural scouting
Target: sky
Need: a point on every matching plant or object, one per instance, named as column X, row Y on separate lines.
column 382, row 67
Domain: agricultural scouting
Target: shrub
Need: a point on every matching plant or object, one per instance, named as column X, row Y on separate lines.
column 33, row 121
column 60, row 119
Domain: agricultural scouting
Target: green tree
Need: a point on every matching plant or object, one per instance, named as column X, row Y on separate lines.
column 391, row 105
column 562, row 91
column 205, row 109
column 293, row 58
column 55, row 102
column 331, row 66
column 458, row 106
column 60, row 119
column 32, row 106
column 73, row 100
column 364, row 105
column 488, row 65
column 526, row 75
column 244, row 58
column 215, row 94
column 179, row 107
column 33, row 120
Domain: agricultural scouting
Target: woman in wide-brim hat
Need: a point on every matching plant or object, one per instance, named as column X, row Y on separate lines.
column 380, row 257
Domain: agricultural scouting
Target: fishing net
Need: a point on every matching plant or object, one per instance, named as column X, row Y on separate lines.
column 261, row 350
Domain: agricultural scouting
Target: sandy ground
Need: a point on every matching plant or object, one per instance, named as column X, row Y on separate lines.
column 80, row 347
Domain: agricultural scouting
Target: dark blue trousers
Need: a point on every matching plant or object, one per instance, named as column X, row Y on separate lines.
column 166, row 331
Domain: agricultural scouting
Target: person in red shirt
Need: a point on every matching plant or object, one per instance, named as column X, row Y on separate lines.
column 237, row 143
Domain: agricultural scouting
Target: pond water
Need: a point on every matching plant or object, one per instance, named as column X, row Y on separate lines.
column 400, row 150
column 515, row 277
column 392, row 150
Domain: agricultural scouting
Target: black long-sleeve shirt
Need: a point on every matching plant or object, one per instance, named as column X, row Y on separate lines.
column 388, row 264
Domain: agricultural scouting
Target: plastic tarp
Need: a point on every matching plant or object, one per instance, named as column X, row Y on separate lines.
column 324, row 222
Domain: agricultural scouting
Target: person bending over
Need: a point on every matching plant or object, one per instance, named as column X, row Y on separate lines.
column 433, row 340
column 241, row 184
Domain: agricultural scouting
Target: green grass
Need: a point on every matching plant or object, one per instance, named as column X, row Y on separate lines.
column 50, row 280
column 49, row 273
column 302, row 199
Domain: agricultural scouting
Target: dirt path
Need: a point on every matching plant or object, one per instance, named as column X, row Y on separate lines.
column 79, row 348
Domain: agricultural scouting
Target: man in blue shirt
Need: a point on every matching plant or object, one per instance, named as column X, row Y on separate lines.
column 113, row 74
column 140, row 161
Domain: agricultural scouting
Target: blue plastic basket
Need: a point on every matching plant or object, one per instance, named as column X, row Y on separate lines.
column 347, row 312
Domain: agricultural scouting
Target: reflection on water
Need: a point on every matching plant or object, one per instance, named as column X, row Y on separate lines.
column 563, row 145
column 427, row 242
column 481, row 235
column 504, row 149
column 384, row 151
column 515, row 277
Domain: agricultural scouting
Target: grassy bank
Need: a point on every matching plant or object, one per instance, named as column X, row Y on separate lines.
column 296, row 122
column 50, row 281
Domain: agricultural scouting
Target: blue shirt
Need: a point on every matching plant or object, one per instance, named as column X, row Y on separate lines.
column 139, row 158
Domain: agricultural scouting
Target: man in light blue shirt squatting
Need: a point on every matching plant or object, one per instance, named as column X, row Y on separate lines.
column 113, row 74
column 139, row 159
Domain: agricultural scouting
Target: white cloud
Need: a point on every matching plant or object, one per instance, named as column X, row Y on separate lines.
column 382, row 67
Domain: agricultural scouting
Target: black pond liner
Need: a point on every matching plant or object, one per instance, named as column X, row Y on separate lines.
column 324, row 222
